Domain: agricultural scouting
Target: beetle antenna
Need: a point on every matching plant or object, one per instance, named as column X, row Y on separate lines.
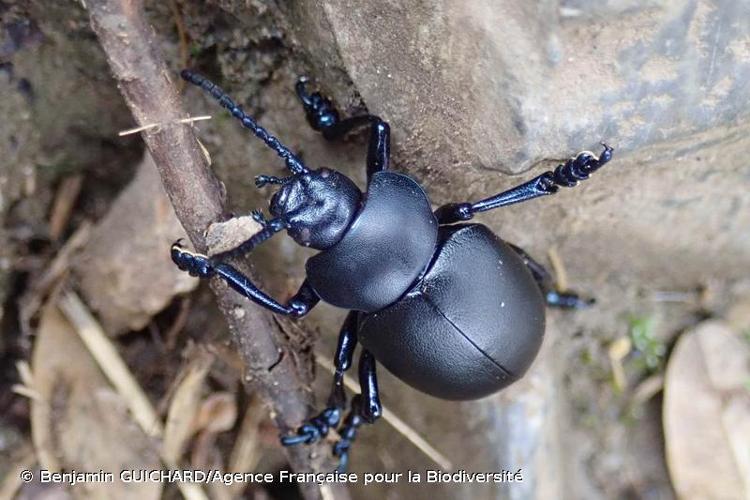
column 293, row 163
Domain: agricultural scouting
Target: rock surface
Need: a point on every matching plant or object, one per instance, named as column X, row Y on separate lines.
column 503, row 85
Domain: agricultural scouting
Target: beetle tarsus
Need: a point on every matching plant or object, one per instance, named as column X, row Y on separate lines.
column 320, row 111
column 318, row 426
column 262, row 180
column 568, row 300
column 348, row 433
column 315, row 428
column 323, row 117
column 580, row 167
column 365, row 407
column 194, row 263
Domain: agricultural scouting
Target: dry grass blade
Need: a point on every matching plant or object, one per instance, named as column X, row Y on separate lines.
column 184, row 406
column 12, row 481
column 80, row 422
column 26, row 391
column 115, row 369
column 401, row 427
column 561, row 276
column 109, row 360
column 617, row 352
column 151, row 126
column 37, row 291
column 65, row 199
column 245, row 453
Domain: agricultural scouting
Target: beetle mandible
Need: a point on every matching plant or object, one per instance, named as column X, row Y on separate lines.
column 447, row 307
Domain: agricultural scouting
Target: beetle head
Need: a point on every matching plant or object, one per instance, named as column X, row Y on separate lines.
column 317, row 206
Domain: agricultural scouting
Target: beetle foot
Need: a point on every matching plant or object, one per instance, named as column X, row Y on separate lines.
column 568, row 300
column 348, row 432
column 320, row 111
column 315, row 428
column 581, row 166
column 194, row 263
column 262, row 180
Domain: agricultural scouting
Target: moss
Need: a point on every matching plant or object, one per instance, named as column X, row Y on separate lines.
column 650, row 351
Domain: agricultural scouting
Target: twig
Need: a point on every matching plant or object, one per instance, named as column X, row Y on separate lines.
column 197, row 196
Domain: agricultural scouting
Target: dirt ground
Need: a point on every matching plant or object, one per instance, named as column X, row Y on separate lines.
column 479, row 98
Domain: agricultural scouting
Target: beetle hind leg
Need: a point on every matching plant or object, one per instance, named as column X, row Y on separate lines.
column 318, row 427
column 552, row 296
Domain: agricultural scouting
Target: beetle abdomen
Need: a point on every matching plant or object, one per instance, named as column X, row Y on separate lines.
column 472, row 326
column 387, row 246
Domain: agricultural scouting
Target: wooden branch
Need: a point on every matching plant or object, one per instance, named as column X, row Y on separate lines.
column 198, row 198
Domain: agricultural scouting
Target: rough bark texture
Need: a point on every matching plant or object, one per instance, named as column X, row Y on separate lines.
column 197, row 197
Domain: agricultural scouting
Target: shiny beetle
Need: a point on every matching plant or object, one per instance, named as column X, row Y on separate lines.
column 446, row 306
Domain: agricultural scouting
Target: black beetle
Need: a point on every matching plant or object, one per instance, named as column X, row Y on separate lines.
column 448, row 308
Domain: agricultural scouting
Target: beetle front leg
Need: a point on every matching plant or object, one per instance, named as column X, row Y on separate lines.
column 204, row 267
column 567, row 174
column 318, row 426
column 553, row 296
column 323, row 117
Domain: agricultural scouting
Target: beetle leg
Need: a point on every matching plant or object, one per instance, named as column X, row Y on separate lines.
column 365, row 408
column 323, row 117
column 566, row 174
column 204, row 267
column 262, row 180
column 343, row 359
column 318, row 426
column 553, row 296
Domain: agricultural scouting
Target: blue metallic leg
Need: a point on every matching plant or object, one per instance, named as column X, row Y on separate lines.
column 365, row 408
column 293, row 163
column 567, row 175
column 204, row 267
column 553, row 297
column 318, row 426
column 323, row 117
